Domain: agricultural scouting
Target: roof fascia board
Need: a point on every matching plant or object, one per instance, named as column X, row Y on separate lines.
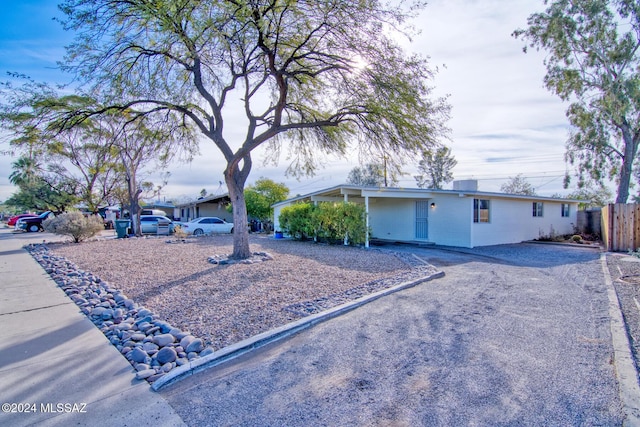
column 308, row 196
column 351, row 191
column 204, row 200
column 386, row 192
column 326, row 199
column 491, row 195
column 398, row 193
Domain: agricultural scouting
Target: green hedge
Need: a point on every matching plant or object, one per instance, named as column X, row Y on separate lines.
column 326, row 221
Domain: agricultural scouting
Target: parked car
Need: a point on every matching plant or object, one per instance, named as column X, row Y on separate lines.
column 207, row 225
column 33, row 224
column 149, row 223
column 12, row 221
column 159, row 212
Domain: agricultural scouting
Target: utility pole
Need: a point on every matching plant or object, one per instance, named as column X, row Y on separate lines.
column 384, row 165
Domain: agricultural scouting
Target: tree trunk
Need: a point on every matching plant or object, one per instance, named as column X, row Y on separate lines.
column 630, row 151
column 134, row 205
column 235, row 185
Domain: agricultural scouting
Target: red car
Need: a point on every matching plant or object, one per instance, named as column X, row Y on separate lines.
column 15, row 218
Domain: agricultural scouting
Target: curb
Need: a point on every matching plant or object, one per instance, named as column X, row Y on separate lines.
column 245, row 346
column 571, row 245
column 626, row 373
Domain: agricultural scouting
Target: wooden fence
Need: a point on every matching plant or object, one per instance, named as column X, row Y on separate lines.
column 621, row 227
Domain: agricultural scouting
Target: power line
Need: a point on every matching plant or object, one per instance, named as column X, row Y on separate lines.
column 559, row 173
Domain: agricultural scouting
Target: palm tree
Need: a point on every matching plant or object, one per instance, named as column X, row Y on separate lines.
column 25, row 170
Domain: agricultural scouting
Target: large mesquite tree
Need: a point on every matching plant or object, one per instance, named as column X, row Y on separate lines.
column 594, row 62
column 312, row 76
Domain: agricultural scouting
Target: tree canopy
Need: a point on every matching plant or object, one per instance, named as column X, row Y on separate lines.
column 263, row 194
column 518, row 185
column 593, row 61
column 593, row 196
column 312, row 77
column 372, row 175
column 93, row 160
column 39, row 188
column 44, row 193
column 79, row 156
column 435, row 168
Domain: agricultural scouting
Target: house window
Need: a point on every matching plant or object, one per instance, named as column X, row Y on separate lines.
column 565, row 209
column 480, row 210
column 537, row 208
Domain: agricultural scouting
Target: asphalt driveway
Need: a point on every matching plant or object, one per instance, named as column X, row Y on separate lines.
column 512, row 335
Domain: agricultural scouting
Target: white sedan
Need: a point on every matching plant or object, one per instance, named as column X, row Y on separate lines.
column 207, row 225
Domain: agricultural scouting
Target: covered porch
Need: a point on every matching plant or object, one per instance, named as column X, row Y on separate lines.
column 392, row 214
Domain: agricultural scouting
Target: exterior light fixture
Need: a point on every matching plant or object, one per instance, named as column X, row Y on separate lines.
column 433, row 205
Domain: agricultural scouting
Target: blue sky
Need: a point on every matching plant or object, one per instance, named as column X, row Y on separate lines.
column 503, row 120
column 31, row 42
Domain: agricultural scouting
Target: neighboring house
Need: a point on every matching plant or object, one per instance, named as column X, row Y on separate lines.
column 205, row 206
column 167, row 207
column 462, row 217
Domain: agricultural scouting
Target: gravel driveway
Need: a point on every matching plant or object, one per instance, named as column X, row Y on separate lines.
column 512, row 335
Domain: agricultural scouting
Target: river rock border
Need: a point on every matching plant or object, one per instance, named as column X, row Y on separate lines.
column 151, row 345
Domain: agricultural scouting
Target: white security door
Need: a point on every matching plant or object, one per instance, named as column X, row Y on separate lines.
column 422, row 220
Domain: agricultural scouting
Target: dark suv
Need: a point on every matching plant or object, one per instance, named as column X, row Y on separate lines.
column 33, row 224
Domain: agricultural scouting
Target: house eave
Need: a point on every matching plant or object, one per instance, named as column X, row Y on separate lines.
column 338, row 192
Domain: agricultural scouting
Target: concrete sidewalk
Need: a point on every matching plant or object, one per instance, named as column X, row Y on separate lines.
column 56, row 367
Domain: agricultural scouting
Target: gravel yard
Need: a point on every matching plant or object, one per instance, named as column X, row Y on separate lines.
column 223, row 304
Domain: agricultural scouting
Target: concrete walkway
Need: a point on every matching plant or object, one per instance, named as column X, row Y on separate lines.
column 56, row 367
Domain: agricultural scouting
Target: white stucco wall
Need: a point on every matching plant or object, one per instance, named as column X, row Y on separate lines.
column 392, row 219
column 450, row 221
column 276, row 216
column 512, row 221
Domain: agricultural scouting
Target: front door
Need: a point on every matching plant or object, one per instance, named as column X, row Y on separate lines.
column 422, row 220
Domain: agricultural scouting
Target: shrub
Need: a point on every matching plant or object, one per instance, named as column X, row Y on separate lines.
column 354, row 222
column 75, row 225
column 179, row 233
column 296, row 220
column 330, row 222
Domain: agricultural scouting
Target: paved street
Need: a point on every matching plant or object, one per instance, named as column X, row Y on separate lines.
column 512, row 335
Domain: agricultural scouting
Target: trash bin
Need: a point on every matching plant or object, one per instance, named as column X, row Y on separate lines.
column 121, row 227
column 163, row 227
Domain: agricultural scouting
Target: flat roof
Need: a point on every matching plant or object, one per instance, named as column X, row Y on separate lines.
column 342, row 189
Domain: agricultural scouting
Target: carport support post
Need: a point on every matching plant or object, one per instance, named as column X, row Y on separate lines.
column 366, row 221
column 346, row 236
